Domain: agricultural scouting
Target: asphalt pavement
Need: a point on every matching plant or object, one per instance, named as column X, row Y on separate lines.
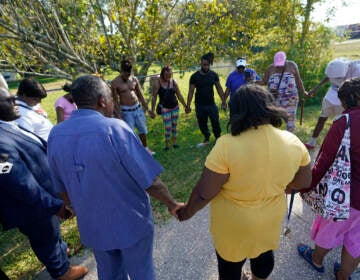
column 184, row 251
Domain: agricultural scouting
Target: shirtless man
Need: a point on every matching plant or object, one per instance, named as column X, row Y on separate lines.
column 129, row 101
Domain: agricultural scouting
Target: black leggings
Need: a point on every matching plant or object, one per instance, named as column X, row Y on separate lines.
column 261, row 267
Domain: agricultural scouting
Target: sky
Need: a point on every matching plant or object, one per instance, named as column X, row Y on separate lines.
column 343, row 15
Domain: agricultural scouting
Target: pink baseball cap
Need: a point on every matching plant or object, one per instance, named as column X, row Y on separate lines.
column 280, row 58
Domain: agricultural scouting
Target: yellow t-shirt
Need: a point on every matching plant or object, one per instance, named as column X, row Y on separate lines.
column 246, row 216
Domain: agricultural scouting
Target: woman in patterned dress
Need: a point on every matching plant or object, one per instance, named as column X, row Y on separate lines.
column 284, row 82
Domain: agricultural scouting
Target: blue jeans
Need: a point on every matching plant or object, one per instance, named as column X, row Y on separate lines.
column 135, row 261
column 45, row 240
column 203, row 113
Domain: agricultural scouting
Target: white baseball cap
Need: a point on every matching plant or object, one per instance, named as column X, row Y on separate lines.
column 240, row 62
column 337, row 68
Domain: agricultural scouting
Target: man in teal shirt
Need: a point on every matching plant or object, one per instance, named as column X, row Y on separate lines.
column 99, row 166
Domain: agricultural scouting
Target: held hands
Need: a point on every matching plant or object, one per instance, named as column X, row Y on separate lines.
column 65, row 212
column 180, row 212
column 174, row 208
column 310, row 93
column 187, row 109
column 152, row 114
column 223, row 106
column 183, row 214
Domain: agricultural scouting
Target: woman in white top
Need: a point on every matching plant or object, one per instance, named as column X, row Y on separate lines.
column 29, row 95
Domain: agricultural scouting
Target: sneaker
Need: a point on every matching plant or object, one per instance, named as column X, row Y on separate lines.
column 175, row 146
column 309, row 146
column 150, row 151
column 203, row 144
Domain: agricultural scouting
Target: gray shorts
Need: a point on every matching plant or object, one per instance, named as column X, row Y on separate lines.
column 330, row 110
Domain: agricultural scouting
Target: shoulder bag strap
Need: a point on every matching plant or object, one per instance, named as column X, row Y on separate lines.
column 168, row 87
column 282, row 73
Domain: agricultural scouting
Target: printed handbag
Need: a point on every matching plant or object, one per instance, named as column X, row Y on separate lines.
column 331, row 197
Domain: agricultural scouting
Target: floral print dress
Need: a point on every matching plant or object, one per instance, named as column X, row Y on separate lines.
column 288, row 96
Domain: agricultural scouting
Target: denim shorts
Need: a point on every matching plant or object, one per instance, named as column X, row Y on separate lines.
column 135, row 118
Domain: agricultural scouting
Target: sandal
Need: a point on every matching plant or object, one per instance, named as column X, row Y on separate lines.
column 306, row 253
column 245, row 275
column 336, row 269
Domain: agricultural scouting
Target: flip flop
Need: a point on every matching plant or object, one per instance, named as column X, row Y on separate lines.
column 337, row 268
column 306, row 253
column 245, row 275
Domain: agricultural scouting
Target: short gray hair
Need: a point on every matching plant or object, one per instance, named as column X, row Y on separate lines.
column 86, row 90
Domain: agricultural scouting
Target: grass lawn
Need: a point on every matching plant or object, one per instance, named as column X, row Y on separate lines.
column 349, row 48
column 182, row 168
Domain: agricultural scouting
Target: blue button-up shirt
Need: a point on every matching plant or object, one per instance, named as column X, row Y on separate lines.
column 105, row 170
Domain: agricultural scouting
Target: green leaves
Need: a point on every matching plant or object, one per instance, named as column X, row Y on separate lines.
column 83, row 36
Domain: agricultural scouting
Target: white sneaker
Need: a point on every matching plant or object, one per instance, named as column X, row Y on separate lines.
column 150, row 151
column 202, row 144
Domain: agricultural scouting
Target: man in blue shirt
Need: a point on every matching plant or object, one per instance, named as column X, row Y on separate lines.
column 100, row 166
column 242, row 75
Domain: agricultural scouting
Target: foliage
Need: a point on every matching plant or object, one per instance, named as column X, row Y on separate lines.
column 49, row 37
column 67, row 37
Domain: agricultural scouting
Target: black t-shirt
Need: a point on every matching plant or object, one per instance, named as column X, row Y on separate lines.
column 204, row 85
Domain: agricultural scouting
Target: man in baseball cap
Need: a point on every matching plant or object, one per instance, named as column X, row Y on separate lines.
column 336, row 72
column 242, row 75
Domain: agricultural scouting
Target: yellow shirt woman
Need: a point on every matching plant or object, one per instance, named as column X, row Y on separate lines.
column 244, row 178
column 247, row 213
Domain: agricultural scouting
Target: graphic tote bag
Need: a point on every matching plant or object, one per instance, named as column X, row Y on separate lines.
column 331, row 197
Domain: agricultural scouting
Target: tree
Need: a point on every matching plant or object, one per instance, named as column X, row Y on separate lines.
column 50, row 34
column 69, row 37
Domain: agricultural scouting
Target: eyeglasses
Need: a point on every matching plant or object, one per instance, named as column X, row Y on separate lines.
column 10, row 99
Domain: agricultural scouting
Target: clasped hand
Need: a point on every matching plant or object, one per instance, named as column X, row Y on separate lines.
column 180, row 212
column 65, row 212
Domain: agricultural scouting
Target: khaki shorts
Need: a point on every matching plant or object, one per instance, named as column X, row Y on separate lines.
column 330, row 110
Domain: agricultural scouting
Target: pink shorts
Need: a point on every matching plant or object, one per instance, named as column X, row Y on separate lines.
column 329, row 234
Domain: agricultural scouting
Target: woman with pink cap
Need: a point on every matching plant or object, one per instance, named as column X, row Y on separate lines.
column 284, row 82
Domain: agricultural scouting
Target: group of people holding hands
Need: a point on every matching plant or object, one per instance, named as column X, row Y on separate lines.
column 282, row 79
column 94, row 166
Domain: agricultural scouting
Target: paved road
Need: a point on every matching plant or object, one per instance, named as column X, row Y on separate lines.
column 183, row 251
